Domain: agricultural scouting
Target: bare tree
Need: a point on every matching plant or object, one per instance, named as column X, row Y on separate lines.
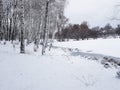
column 1, row 17
column 22, row 39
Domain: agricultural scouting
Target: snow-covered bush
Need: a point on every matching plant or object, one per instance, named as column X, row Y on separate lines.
column 106, row 65
column 118, row 74
column 35, row 48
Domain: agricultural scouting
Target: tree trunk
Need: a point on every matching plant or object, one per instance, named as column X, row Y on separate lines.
column 45, row 27
column 1, row 17
column 22, row 44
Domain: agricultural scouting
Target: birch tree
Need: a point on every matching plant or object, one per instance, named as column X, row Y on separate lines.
column 22, row 39
column 1, row 17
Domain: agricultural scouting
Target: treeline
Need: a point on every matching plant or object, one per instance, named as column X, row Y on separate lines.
column 82, row 31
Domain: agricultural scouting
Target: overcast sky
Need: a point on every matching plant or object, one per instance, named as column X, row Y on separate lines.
column 96, row 12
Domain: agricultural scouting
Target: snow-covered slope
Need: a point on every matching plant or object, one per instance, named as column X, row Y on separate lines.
column 57, row 70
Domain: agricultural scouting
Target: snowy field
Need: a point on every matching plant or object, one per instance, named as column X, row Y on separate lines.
column 59, row 69
column 110, row 47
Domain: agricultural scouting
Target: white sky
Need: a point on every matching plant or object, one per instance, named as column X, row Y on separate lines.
column 96, row 12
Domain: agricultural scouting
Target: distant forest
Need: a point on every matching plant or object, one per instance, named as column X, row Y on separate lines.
column 82, row 32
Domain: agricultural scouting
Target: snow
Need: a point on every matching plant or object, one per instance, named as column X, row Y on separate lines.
column 57, row 70
column 108, row 47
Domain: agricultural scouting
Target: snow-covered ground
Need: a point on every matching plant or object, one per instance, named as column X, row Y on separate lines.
column 58, row 69
column 110, row 47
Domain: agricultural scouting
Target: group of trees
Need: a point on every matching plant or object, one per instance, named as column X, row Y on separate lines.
column 31, row 20
column 83, row 31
